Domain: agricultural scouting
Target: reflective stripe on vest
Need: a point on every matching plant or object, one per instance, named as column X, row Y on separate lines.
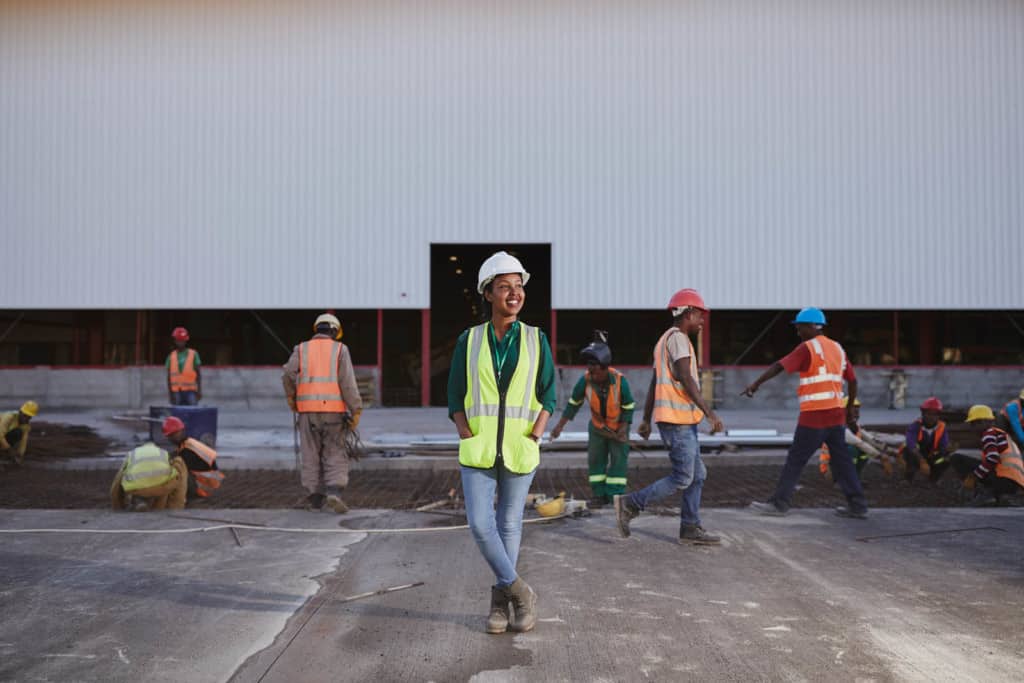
column 483, row 404
column 147, row 466
column 205, row 453
column 183, row 378
column 317, row 389
column 207, row 482
column 671, row 402
column 612, row 408
column 1010, row 464
column 821, row 386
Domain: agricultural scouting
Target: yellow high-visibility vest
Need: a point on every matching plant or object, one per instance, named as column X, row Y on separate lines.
column 485, row 407
column 145, row 467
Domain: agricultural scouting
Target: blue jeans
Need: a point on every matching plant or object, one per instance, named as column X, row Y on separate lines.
column 184, row 398
column 497, row 533
column 688, row 473
column 806, row 442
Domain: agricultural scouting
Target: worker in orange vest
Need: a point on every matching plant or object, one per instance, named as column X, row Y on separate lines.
column 204, row 477
column 184, row 383
column 823, row 365
column 1000, row 469
column 320, row 385
column 675, row 403
column 927, row 443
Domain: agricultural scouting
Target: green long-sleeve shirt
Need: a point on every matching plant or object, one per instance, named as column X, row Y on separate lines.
column 579, row 395
column 457, row 382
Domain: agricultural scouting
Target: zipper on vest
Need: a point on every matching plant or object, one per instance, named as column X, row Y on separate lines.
column 501, row 421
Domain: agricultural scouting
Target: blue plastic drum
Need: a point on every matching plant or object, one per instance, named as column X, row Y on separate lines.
column 200, row 423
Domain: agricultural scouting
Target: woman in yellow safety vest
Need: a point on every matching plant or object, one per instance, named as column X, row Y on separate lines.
column 501, row 392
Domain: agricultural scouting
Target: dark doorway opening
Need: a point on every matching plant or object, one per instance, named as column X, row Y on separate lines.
column 455, row 304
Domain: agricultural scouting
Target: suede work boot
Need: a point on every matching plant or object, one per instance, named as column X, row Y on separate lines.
column 497, row 620
column 524, row 604
column 624, row 513
column 696, row 535
column 334, row 500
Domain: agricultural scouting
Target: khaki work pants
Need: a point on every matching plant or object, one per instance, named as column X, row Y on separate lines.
column 324, row 457
column 169, row 496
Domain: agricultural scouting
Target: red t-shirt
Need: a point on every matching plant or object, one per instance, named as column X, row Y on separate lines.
column 799, row 360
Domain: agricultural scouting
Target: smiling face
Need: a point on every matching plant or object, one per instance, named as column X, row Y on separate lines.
column 506, row 295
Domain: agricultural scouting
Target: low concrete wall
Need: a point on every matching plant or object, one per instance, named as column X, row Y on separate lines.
column 957, row 387
column 139, row 387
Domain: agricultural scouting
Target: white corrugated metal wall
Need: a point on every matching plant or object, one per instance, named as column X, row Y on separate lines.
column 773, row 153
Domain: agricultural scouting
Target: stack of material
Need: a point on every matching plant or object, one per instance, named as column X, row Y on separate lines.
column 55, row 440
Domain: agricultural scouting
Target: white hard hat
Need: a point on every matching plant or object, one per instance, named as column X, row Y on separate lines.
column 328, row 319
column 499, row 263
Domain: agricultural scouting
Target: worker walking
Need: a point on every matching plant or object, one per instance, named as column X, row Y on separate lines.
column 14, row 428
column 676, row 405
column 862, row 444
column 1011, row 419
column 823, row 365
column 184, row 381
column 320, row 385
column 1000, row 469
column 927, row 444
column 501, row 392
column 204, row 477
column 149, row 479
column 607, row 392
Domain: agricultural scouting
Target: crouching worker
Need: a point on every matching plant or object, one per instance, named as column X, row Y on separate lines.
column 1000, row 469
column 149, row 479
column 201, row 460
column 14, row 429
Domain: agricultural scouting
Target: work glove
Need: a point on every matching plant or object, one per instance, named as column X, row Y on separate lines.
column 355, row 418
column 970, row 482
column 886, row 465
column 291, row 404
column 644, row 430
column 823, row 467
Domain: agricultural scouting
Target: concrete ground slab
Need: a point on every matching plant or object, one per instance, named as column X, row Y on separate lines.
column 794, row 598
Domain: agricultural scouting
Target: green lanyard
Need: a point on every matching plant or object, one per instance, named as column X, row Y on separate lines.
column 501, row 355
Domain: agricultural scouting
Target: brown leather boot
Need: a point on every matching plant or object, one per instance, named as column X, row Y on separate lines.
column 524, row 604
column 497, row 620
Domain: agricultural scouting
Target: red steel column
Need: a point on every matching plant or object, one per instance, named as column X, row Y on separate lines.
column 380, row 356
column 425, row 357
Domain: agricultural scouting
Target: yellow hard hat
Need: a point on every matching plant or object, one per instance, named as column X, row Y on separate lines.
column 846, row 401
column 30, row 408
column 980, row 412
column 329, row 319
column 553, row 507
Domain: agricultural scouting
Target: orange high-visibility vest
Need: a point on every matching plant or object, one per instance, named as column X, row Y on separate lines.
column 612, row 408
column 183, row 378
column 206, row 480
column 317, row 389
column 1010, row 464
column 671, row 402
column 940, row 429
column 821, row 386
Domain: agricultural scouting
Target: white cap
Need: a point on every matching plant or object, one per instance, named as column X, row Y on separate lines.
column 499, row 263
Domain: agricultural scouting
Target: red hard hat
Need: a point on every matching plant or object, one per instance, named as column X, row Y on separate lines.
column 687, row 297
column 173, row 424
column 180, row 334
column 931, row 403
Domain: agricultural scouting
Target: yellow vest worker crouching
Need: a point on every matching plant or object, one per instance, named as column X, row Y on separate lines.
column 151, row 475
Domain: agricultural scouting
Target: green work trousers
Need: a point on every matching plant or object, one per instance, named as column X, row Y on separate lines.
column 607, row 462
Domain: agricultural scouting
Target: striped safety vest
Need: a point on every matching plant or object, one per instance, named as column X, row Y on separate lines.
column 492, row 416
column 821, row 386
column 606, row 415
column 183, row 378
column 317, row 389
column 206, row 480
column 1010, row 464
column 145, row 467
column 671, row 402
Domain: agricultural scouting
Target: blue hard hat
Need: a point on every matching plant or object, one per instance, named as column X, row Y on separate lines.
column 814, row 316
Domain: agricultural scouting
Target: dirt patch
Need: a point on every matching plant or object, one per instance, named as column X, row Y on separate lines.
column 58, row 440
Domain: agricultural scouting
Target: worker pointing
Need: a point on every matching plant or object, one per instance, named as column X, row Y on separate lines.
column 14, row 429
column 320, row 385
column 184, row 381
column 823, row 365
